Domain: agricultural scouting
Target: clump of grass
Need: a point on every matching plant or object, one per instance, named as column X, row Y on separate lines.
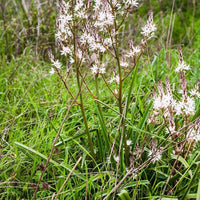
column 94, row 131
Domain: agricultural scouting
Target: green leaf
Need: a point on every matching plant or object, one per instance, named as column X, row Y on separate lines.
column 184, row 162
column 124, row 195
column 198, row 191
column 33, row 152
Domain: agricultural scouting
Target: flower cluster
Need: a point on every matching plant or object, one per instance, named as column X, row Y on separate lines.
column 166, row 107
column 85, row 28
column 149, row 29
column 98, row 70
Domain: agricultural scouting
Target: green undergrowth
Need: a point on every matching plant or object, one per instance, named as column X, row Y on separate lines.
column 33, row 105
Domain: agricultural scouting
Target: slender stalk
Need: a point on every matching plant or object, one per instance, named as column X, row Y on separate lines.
column 105, row 134
column 79, row 84
column 68, row 178
column 108, row 86
column 120, row 89
column 52, row 149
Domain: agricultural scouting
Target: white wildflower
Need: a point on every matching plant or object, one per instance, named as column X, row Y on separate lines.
column 57, row 64
column 116, row 79
column 193, row 135
column 155, row 155
column 131, row 3
column 162, row 102
column 52, row 71
column 128, row 142
column 65, row 50
column 102, row 70
column 79, row 5
column 182, row 66
column 64, row 19
column 187, row 107
column 134, row 51
column 105, row 18
column 194, row 92
column 116, row 158
column 71, row 60
column 149, row 29
column 94, row 69
column 124, row 64
column 107, row 42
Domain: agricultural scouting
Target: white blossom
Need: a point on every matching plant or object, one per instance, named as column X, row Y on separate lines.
column 155, row 155
column 94, row 69
column 134, row 51
column 182, row 66
column 194, row 92
column 65, row 50
column 193, row 135
column 164, row 101
column 124, row 64
column 149, row 29
column 128, row 142
column 187, row 107
column 131, row 3
column 116, row 79
column 57, row 64
column 102, row 70
column 52, row 71
column 116, row 158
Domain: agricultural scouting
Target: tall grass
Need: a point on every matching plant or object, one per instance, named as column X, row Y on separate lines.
column 78, row 135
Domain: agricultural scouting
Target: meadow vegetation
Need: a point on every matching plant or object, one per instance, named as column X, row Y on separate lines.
column 100, row 99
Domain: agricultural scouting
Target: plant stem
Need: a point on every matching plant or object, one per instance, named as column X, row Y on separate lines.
column 120, row 91
column 105, row 134
column 79, row 85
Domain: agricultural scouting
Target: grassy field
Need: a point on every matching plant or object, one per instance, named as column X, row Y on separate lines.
column 128, row 151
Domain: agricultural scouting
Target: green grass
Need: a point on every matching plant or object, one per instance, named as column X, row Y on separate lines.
column 33, row 105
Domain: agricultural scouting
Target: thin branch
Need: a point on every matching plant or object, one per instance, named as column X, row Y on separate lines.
column 68, row 178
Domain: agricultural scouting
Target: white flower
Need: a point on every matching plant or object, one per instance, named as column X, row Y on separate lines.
column 128, row 142
column 195, row 93
column 131, row 3
column 97, row 4
column 124, row 64
column 116, row 158
column 187, row 107
column 65, row 18
column 65, row 51
column 105, row 18
column 149, row 29
column 116, row 78
column 134, row 51
column 52, row 71
column 58, row 35
column 57, row 64
column 182, row 66
column 79, row 5
column 71, row 60
column 107, row 42
column 193, row 135
column 163, row 102
column 94, row 69
column 81, row 14
column 79, row 54
column 102, row 70
column 156, row 156
column 171, row 129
